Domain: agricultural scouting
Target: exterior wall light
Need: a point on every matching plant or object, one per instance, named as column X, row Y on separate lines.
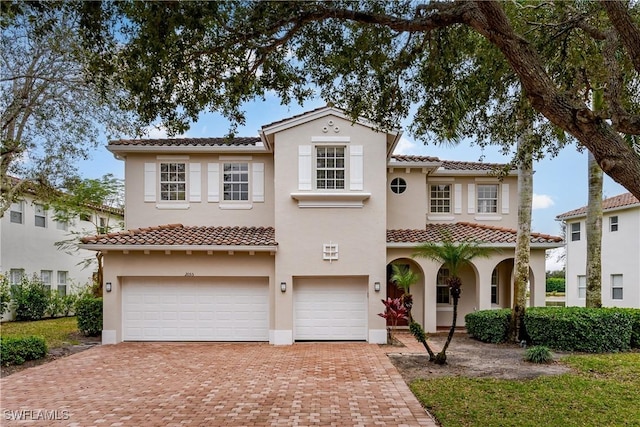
column 283, row 286
column 108, row 286
column 376, row 286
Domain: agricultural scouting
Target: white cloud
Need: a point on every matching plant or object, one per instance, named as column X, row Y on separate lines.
column 542, row 201
column 405, row 146
column 156, row 131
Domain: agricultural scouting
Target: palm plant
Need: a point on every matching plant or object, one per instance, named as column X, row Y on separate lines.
column 454, row 256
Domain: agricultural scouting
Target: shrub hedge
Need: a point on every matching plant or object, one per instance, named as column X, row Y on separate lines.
column 635, row 326
column 489, row 325
column 593, row 330
column 31, row 298
column 555, row 284
column 89, row 315
column 17, row 350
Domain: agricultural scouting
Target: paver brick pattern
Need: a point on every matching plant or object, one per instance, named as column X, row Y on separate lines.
column 216, row 384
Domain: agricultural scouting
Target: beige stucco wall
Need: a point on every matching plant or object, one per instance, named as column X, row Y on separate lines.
column 203, row 213
column 360, row 232
column 411, row 208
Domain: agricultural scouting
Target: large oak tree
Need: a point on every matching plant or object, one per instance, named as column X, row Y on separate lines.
column 452, row 66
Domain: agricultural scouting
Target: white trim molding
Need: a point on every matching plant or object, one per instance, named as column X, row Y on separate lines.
column 330, row 200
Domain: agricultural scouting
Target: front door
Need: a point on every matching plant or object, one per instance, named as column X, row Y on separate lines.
column 394, row 292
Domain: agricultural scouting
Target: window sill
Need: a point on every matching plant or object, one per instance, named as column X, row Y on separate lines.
column 436, row 217
column 488, row 218
column 235, row 206
column 331, row 200
column 444, row 307
column 172, row 206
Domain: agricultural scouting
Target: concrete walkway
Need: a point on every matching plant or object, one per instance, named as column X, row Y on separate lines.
column 214, row 384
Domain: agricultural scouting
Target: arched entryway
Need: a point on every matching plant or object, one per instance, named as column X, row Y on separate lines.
column 502, row 284
column 417, row 290
column 468, row 299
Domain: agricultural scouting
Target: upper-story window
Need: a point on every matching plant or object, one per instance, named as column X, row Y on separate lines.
column 40, row 216
column 488, row 198
column 575, row 231
column 613, row 223
column 61, row 222
column 330, row 168
column 173, row 181
column 440, row 198
column 235, row 181
column 103, row 225
column 398, row 185
column 16, row 212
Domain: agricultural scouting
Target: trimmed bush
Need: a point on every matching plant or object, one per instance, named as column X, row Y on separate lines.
column 555, row 284
column 16, row 351
column 31, row 298
column 489, row 325
column 89, row 315
column 591, row 330
column 538, row 354
column 635, row 326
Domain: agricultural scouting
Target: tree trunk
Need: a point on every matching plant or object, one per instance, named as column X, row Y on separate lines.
column 523, row 236
column 441, row 358
column 594, row 235
column 594, row 222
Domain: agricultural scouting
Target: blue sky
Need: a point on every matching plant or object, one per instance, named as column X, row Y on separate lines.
column 560, row 183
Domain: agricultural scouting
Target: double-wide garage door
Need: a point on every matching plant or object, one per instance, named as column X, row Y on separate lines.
column 195, row 309
column 330, row 309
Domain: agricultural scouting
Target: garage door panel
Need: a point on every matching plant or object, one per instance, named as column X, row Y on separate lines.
column 329, row 309
column 203, row 311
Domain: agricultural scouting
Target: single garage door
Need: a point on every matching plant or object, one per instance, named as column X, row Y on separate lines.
column 330, row 309
column 195, row 309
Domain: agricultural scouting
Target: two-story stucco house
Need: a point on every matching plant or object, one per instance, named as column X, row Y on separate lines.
column 620, row 253
column 288, row 236
column 28, row 235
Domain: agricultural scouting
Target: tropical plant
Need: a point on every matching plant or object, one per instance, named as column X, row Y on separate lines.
column 454, row 256
column 403, row 278
column 394, row 310
column 538, row 354
column 31, row 298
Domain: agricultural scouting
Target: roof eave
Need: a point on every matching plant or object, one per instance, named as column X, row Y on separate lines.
column 119, row 151
column 537, row 245
column 193, row 248
column 583, row 215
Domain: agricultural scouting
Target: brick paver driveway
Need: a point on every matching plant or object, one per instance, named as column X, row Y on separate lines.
column 214, row 384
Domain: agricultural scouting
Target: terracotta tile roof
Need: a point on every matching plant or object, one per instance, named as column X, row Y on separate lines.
column 450, row 165
column 177, row 234
column 188, row 142
column 464, row 231
column 408, row 158
column 286, row 119
column 622, row 200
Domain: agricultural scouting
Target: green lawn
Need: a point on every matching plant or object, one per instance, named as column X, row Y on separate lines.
column 603, row 391
column 55, row 331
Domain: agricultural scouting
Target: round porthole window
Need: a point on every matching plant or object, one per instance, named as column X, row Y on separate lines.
column 398, row 185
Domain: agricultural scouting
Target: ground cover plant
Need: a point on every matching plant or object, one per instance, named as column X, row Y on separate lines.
column 602, row 390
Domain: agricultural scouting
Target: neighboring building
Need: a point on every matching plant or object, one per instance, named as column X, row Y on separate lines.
column 620, row 253
column 28, row 233
column 289, row 236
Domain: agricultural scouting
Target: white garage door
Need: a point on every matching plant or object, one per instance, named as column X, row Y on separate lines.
column 330, row 309
column 195, row 309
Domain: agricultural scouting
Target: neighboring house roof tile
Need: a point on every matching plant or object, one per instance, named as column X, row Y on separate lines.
column 286, row 119
column 177, row 234
column 619, row 201
column 464, row 231
column 189, row 142
column 448, row 164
